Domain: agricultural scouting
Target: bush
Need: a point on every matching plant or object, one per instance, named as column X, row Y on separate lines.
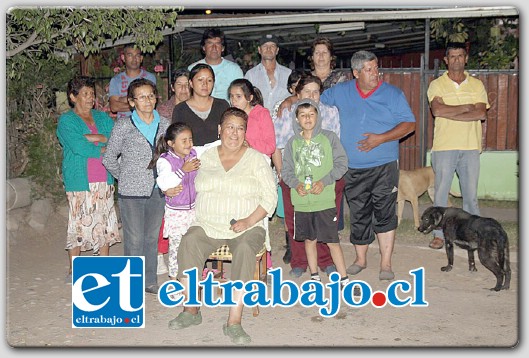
column 33, row 147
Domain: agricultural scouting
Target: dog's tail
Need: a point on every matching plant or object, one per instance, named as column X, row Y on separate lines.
column 503, row 249
column 504, row 256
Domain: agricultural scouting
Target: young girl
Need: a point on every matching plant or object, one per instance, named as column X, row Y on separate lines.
column 260, row 134
column 176, row 164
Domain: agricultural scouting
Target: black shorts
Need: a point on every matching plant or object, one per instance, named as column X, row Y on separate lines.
column 318, row 225
column 372, row 197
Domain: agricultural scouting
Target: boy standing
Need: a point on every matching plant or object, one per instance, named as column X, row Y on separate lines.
column 313, row 160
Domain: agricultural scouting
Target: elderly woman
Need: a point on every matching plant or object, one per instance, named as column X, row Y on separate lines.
column 309, row 86
column 180, row 87
column 129, row 151
column 233, row 182
column 83, row 133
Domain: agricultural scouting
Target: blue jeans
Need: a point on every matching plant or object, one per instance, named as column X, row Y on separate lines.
column 466, row 164
column 141, row 218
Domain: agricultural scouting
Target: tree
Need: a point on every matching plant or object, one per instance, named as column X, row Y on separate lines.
column 493, row 42
column 40, row 45
column 34, row 35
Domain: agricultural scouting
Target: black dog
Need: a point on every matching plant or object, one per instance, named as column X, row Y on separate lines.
column 471, row 232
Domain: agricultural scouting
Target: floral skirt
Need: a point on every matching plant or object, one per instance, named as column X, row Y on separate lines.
column 92, row 220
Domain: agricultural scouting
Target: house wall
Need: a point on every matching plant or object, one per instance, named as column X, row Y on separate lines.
column 498, row 177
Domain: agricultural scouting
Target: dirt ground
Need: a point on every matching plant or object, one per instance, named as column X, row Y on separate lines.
column 462, row 311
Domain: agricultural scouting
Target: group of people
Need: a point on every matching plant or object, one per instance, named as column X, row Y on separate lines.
column 210, row 166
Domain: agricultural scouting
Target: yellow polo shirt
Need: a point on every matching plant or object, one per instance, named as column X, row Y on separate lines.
column 457, row 135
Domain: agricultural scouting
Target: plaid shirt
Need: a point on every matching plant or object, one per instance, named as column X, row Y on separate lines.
column 283, row 123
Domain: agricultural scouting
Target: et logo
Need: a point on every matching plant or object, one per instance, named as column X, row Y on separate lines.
column 108, row 292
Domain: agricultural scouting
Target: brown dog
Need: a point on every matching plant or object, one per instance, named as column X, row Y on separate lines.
column 412, row 184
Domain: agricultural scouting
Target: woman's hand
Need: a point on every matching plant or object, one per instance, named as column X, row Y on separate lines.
column 241, row 225
column 172, row 192
column 191, row 165
column 96, row 138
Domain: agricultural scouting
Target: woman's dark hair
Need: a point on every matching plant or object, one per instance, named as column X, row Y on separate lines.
column 140, row 82
column 179, row 73
column 327, row 42
column 236, row 112
column 198, row 67
column 294, row 77
column 76, row 84
column 305, row 79
column 251, row 93
column 170, row 135
column 258, row 96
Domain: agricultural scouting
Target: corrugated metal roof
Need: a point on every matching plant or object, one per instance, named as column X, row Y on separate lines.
column 386, row 30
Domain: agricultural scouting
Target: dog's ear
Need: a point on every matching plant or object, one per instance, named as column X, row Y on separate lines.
column 437, row 216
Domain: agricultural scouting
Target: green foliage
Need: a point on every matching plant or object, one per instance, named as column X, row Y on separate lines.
column 501, row 48
column 34, row 150
column 45, row 159
column 40, row 43
column 37, row 34
column 449, row 30
column 493, row 42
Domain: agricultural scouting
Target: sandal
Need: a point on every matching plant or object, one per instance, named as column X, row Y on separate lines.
column 386, row 275
column 354, row 269
column 185, row 319
column 236, row 333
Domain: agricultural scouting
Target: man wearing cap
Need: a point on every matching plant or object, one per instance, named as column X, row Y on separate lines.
column 269, row 76
column 213, row 44
column 459, row 104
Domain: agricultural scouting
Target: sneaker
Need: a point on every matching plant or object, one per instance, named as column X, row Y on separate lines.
column 68, row 279
column 162, row 267
column 330, row 269
column 297, row 272
column 315, row 277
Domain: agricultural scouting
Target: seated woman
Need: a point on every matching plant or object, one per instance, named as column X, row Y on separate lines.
column 233, row 182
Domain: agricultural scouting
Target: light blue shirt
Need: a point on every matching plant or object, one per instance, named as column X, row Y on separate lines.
column 225, row 72
column 119, row 85
column 259, row 78
column 148, row 130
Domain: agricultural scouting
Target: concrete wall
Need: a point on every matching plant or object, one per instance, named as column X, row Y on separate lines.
column 498, row 178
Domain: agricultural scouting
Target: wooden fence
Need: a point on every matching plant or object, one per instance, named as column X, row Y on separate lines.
column 500, row 130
